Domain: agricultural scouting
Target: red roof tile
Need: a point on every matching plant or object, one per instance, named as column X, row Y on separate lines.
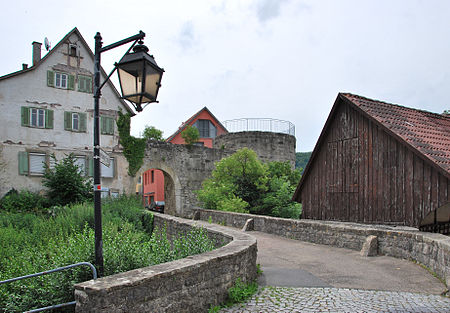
column 428, row 133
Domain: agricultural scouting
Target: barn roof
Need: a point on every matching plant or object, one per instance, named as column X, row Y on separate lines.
column 426, row 134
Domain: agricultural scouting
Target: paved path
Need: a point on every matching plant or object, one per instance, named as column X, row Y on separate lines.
column 317, row 278
column 288, row 299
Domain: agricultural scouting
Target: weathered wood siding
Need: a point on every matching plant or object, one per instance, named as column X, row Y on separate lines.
column 363, row 174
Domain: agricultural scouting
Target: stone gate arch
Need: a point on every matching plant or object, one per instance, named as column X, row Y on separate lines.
column 172, row 185
column 184, row 170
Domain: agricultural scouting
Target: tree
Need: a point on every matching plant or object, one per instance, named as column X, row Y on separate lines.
column 190, row 135
column 66, row 182
column 150, row 132
column 242, row 183
column 301, row 159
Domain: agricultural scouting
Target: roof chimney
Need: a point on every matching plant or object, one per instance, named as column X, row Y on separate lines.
column 36, row 52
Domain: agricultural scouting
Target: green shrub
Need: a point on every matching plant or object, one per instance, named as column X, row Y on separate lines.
column 190, row 135
column 66, row 183
column 23, row 201
column 242, row 183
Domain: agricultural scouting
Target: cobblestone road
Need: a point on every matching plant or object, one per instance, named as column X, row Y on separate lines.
column 288, row 299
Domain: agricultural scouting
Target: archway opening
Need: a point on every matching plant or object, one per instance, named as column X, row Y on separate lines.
column 158, row 191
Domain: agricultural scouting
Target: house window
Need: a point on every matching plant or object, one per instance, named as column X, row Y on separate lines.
column 60, row 80
column 153, row 177
column 73, row 51
column 36, row 117
column 80, row 161
column 37, row 163
column 85, row 83
column 107, row 172
column 32, row 163
column 206, row 129
column 106, row 125
column 75, row 121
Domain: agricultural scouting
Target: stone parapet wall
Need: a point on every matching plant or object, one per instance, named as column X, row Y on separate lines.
column 191, row 284
column 429, row 249
column 267, row 145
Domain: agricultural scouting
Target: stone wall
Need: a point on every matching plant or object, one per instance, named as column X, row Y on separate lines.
column 429, row 249
column 192, row 284
column 267, row 145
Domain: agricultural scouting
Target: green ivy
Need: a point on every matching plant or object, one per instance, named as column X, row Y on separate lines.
column 133, row 148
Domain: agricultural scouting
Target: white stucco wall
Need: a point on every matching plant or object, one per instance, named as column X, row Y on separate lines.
column 30, row 89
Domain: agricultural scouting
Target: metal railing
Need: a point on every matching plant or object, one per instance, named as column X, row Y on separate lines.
column 59, row 269
column 260, row 124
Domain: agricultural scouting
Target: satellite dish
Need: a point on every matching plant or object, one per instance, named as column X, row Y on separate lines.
column 47, row 44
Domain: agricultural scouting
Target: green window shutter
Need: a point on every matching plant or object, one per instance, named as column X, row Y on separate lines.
column 90, row 166
column 25, row 116
column 80, row 83
column 89, row 84
column 110, row 126
column 50, row 78
column 102, row 125
column 23, row 163
column 68, row 120
column 49, row 119
column 71, row 84
column 83, row 121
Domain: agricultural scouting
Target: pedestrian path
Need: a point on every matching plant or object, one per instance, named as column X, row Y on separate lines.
column 336, row 300
column 304, row 277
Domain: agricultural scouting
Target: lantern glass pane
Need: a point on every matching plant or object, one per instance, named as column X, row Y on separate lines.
column 152, row 81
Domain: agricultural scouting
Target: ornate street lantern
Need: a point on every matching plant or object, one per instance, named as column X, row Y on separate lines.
column 139, row 77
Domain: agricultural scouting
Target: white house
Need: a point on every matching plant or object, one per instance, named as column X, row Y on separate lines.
column 48, row 109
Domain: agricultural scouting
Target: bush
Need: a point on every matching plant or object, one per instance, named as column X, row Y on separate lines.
column 242, row 183
column 190, row 135
column 23, row 201
column 66, row 183
column 151, row 132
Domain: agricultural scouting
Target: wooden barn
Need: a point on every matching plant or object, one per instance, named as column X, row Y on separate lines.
column 377, row 162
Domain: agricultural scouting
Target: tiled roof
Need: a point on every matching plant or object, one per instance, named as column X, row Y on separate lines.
column 428, row 133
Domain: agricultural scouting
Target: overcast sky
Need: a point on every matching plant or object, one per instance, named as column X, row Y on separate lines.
column 281, row 59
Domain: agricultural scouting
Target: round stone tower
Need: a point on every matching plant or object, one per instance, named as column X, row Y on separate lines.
column 272, row 140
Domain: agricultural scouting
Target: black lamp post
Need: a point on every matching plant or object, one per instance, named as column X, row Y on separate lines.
column 140, row 79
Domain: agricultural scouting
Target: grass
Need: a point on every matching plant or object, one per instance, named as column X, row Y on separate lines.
column 239, row 293
column 31, row 243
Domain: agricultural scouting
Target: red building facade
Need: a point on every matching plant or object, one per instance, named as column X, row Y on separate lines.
column 208, row 126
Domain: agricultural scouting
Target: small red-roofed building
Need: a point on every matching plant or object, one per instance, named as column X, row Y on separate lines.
column 379, row 163
column 209, row 127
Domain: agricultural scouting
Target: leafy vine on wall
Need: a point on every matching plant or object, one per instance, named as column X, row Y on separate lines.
column 133, row 148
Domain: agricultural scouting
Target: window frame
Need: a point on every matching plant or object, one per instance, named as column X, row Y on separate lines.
column 40, row 154
column 75, row 121
column 66, row 80
column 38, row 117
